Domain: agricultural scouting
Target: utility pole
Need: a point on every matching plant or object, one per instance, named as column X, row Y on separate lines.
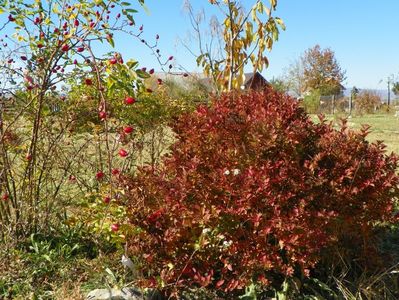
column 350, row 105
column 390, row 81
column 354, row 93
column 333, row 104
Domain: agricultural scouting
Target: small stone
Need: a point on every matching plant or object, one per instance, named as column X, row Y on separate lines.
column 123, row 294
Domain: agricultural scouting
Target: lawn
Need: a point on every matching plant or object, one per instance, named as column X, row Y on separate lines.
column 384, row 127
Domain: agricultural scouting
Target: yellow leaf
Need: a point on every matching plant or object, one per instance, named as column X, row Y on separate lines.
column 56, row 9
column 280, row 22
column 254, row 16
column 261, row 43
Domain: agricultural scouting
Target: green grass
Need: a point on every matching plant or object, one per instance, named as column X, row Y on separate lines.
column 66, row 265
column 384, row 127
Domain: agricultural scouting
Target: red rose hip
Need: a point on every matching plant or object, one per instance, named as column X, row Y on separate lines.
column 100, row 175
column 123, row 153
column 65, row 48
column 102, row 115
column 115, row 227
column 130, row 100
column 128, row 129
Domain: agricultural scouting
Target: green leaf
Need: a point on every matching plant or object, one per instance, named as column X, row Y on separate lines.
column 125, row 4
column 250, row 293
column 275, row 35
column 111, row 42
column 260, row 7
column 132, row 75
column 46, row 257
column 199, row 59
column 130, row 18
column 111, row 275
column 132, row 64
column 142, row 74
column 147, row 11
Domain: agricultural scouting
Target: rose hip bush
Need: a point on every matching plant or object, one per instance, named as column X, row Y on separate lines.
column 58, row 92
column 253, row 188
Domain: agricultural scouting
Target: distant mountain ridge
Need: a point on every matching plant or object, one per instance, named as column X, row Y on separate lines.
column 382, row 92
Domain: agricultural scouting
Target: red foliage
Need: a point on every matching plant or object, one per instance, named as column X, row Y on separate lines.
column 253, row 187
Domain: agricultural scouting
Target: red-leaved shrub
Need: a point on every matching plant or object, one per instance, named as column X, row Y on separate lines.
column 253, row 187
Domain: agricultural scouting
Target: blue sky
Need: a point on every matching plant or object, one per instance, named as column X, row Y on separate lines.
column 363, row 34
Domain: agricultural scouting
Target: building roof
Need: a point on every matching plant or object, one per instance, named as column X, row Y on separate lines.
column 251, row 79
column 254, row 80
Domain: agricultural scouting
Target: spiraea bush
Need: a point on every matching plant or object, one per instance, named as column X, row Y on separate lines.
column 251, row 190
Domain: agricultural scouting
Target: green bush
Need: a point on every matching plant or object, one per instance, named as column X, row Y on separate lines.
column 311, row 102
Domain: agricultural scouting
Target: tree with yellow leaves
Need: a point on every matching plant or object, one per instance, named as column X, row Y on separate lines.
column 245, row 35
